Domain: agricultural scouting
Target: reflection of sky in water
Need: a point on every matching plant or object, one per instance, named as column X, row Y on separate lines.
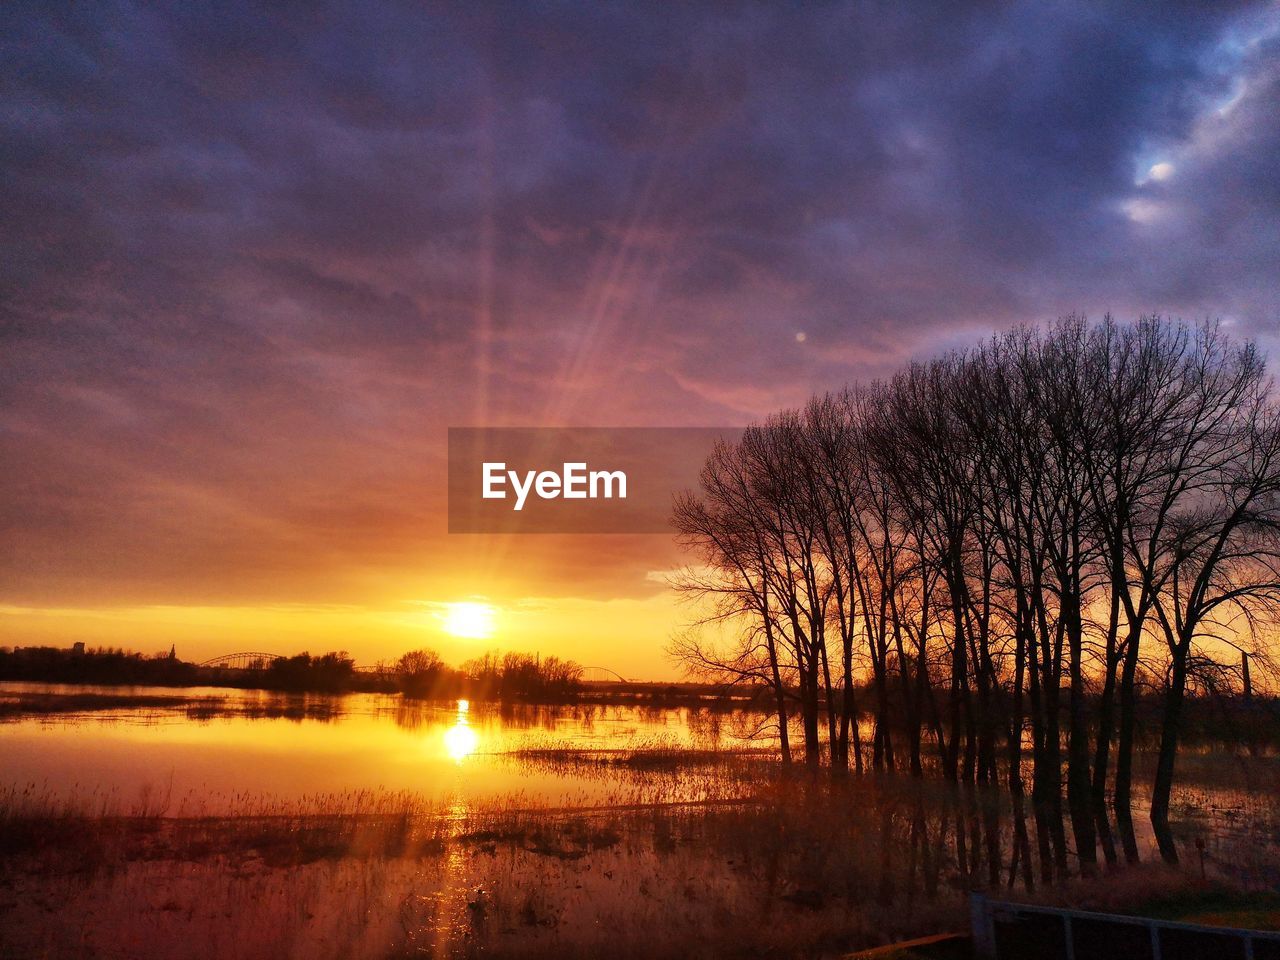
column 449, row 751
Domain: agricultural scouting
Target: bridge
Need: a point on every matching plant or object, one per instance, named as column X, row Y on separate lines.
column 249, row 660
column 602, row 675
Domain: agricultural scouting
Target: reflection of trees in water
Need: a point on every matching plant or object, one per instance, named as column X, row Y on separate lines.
column 898, row 840
column 707, row 728
column 267, row 705
column 710, row 728
column 496, row 716
column 704, row 726
column 987, row 832
column 925, row 836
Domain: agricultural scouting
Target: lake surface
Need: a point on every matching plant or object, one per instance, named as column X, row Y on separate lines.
column 185, row 752
column 194, row 751
column 568, row 829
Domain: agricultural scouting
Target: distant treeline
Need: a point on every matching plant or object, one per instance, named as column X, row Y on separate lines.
column 328, row 673
column 420, row 673
column 1012, row 548
column 105, row 665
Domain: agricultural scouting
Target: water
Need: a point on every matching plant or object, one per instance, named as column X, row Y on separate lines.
column 213, row 751
column 195, row 751
column 551, row 832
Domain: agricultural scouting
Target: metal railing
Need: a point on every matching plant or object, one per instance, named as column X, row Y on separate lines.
column 1014, row 931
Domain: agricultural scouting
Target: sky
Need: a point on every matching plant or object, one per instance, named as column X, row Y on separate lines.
column 254, row 264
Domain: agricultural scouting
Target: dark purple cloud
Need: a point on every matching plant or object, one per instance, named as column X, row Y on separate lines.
column 253, row 264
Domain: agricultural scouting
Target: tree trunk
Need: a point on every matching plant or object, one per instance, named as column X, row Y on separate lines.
column 779, row 693
column 911, row 707
column 838, row 767
column 848, row 708
column 1101, row 760
column 1040, row 763
column 1163, row 784
column 809, row 712
column 1121, row 799
column 1078, row 786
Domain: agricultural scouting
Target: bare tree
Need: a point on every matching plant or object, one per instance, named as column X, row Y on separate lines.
column 991, row 542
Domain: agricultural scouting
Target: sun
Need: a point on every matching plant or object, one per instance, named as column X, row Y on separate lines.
column 470, row 619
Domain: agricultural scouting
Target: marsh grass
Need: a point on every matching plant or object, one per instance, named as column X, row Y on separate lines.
column 794, row 869
column 648, row 755
column 687, row 851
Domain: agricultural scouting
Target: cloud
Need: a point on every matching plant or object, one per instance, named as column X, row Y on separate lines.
column 255, row 263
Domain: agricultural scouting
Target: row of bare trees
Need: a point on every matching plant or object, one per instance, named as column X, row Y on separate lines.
column 997, row 548
column 490, row 676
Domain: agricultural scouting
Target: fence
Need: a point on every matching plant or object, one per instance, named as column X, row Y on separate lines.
column 1019, row 931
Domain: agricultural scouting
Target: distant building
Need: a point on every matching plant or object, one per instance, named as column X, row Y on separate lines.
column 173, row 651
column 77, row 648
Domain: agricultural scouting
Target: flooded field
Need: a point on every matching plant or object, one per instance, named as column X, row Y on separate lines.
column 197, row 751
column 200, row 822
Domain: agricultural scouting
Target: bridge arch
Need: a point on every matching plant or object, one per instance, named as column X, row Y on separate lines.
column 246, row 660
column 602, row 675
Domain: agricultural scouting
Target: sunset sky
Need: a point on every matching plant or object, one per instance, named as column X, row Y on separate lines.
column 254, row 266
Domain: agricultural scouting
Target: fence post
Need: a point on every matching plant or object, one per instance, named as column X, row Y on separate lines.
column 981, row 927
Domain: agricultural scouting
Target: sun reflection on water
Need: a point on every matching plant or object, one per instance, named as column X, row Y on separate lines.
column 460, row 741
